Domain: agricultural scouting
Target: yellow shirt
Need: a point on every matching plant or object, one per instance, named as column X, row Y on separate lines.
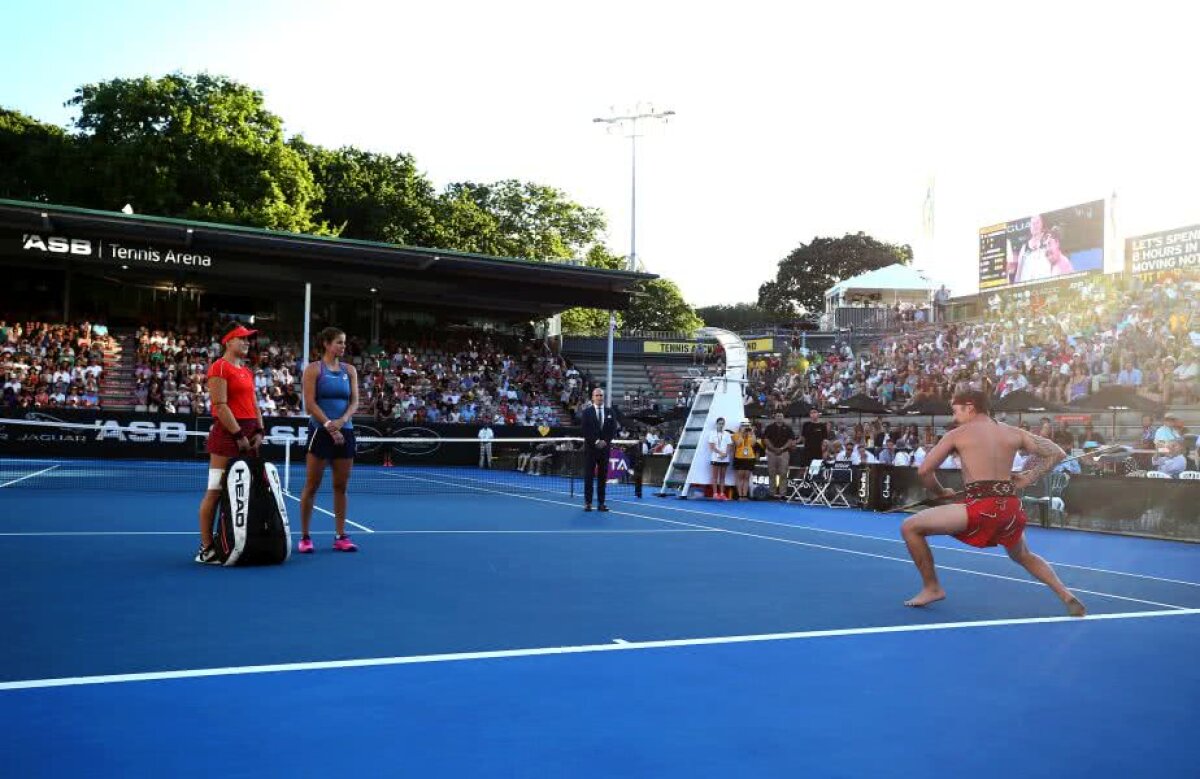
column 743, row 446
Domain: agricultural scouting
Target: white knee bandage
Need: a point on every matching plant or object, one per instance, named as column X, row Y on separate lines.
column 214, row 478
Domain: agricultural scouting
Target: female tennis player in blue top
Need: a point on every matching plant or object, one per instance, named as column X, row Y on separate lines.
column 331, row 397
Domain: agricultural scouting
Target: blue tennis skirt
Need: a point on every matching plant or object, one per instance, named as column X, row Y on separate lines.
column 320, row 444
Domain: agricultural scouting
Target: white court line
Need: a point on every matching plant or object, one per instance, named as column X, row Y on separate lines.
column 30, row 476
column 101, row 533
column 958, row 549
column 597, row 532
column 330, row 513
column 628, row 646
column 804, row 543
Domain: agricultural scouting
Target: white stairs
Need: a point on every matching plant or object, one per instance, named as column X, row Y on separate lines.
column 716, row 397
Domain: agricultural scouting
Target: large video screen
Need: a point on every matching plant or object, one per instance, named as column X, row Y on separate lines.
column 1050, row 245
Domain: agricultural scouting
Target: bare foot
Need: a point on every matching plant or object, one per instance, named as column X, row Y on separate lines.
column 1076, row 608
column 926, row 596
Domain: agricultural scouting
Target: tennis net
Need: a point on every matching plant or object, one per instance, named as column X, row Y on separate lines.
column 150, row 457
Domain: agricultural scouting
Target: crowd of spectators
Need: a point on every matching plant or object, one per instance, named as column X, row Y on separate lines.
column 1162, row 444
column 171, row 369
column 52, row 365
column 1060, row 344
column 425, row 377
column 473, row 378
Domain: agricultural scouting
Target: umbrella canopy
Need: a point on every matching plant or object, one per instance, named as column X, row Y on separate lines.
column 862, row 404
column 930, row 407
column 1114, row 398
column 677, row 413
column 797, row 408
column 755, row 409
column 648, row 417
column 1024, row 402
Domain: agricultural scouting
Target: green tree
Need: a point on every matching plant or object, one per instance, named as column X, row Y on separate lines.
column 739, row 316
column 37, row 160
column 593, row 321
column 528, row 220
column 804, row 275
column 462, row 224
column 659, row 305
column 373, row 197
column 201, row 147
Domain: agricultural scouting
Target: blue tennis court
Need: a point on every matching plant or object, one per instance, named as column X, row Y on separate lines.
column 498, row 630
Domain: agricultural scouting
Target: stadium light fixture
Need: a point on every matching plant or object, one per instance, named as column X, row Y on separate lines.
column 629, row 122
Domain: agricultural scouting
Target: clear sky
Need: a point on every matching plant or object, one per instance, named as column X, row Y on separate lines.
column 793, row 119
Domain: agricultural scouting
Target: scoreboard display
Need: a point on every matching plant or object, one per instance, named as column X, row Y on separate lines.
column 1051, row 245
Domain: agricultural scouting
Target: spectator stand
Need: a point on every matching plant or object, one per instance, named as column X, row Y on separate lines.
column 53, row 364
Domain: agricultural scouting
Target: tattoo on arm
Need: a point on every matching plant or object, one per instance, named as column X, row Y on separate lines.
column 1047, row 454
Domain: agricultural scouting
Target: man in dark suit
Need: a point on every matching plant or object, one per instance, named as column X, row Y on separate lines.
column 599, row 429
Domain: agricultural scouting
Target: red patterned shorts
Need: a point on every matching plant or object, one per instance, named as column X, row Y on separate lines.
column 994, row 515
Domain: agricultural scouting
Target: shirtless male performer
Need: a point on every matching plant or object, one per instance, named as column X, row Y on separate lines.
column 992, row 513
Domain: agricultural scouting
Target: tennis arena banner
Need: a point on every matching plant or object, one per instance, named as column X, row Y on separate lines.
column 95, row 433
column 673, row 347
column 1169, row 250
column 52, row 246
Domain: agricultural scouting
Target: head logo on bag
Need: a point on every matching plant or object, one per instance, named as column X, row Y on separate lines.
column 239, row 484
column 252, row 526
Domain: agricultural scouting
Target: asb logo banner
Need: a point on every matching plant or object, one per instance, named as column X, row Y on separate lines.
column 110, row 251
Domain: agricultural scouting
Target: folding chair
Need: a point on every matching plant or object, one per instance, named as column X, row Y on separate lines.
column 840, row 480
column 798, row 487
column 1050, row 506
column 816, row 479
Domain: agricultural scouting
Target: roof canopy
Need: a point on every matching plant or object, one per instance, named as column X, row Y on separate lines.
column 204, row 254
column 894, row 278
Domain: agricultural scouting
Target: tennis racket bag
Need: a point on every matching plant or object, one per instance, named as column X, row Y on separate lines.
column 252, row 522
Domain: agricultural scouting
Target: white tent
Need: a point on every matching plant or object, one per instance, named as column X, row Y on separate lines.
column 893, row 284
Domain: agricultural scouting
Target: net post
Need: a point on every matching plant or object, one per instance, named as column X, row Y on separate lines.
column 287, row 464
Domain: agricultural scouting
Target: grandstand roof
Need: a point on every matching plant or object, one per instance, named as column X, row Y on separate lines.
column 421, row 276
column 893, row 277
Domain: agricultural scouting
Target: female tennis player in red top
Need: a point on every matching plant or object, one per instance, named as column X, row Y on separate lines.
column 237, row 426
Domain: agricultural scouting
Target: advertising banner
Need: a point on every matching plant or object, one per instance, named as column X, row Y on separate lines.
column 132, row 435
column 1169, row 250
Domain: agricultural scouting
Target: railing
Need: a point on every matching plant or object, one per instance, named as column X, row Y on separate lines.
column 658, row 335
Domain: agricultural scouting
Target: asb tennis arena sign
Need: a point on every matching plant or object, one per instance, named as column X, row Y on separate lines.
column 109, row 252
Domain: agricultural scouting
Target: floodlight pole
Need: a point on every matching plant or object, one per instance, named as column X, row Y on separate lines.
column 628, row 122
column 304, row 347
